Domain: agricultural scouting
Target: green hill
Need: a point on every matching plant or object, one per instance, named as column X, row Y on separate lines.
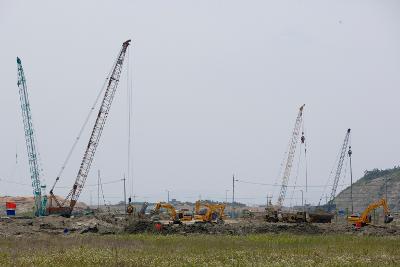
column 371, row 187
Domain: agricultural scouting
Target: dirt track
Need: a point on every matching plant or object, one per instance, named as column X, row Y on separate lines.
column 109, row 224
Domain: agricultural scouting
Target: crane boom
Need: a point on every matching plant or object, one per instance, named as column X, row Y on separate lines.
column 289, row 162
column 88, row 156
column 31, row 145
column 339, row 167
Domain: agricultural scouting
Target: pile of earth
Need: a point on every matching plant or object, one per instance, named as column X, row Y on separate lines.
column 25, row 204
column 58, row 225
column 245, row 228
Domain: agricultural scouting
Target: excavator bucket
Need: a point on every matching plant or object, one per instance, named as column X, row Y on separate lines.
column 388, row 219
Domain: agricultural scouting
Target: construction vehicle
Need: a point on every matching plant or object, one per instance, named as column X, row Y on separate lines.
column 130, row 209
column 66, row 206
column 330, row 206
column 274, row 215
column 365, row 217
column 171, row 211
column 274, row 211
column 39, row 190
column 185, row 215
column 211, row 213
column 142, row 211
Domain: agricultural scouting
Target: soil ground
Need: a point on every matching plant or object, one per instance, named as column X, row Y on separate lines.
column 103, row 224
column 113, row 240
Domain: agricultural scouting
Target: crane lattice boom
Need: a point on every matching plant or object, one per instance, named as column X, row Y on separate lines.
column 339, row 166
column 291, row 153
column 31, row 145
column 88, row 156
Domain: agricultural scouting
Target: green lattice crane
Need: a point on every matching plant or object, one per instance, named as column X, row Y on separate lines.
column 39, row 190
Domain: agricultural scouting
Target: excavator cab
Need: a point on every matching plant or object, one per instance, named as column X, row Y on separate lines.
column 388, row 218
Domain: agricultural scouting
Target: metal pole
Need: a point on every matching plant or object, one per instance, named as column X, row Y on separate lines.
column 302, row 202
column 351, row 180
column 233, row 195
column 167, row 196
column 124, row 194
column 98, row 189
column 226, row 196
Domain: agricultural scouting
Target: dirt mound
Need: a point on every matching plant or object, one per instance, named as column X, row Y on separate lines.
column 25, row 204
column 140, row 227
column 57, row 225
column 245, row 228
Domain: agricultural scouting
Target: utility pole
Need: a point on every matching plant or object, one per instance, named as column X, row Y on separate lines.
column 269, row 200
column 302, row 202
column 233, row 195
column 124, row 194
column 351, row 180
column 226, row 196
column 98, row 189
column 167, row 196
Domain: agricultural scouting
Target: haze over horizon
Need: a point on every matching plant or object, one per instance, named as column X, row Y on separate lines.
column 216, row 90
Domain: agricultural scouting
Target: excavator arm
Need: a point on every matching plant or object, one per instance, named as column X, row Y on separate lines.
column 171, row 209
column 364, row 218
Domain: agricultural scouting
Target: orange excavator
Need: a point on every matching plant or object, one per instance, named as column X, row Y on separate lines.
column 171, row 210
column 365, row 217
column 212, row 213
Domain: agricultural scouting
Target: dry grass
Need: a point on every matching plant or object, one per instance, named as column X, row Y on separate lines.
column 201, row 250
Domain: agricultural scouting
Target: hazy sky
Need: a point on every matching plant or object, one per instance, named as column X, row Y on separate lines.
column 216, row 90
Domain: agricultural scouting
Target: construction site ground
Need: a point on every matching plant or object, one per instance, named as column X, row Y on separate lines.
column 113, row 240
column 107, row 224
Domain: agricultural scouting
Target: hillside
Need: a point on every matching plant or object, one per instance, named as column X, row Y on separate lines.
column 371, row 187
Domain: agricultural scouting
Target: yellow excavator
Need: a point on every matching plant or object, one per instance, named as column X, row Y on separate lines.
column 212, row 213
column 365, row 217
column 185, row 215
column 171, row 211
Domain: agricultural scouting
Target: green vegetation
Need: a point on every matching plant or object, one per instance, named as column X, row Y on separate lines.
column 201, row 250
column 377, row 173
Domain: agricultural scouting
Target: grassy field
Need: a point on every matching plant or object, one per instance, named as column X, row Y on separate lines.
column 201, row 250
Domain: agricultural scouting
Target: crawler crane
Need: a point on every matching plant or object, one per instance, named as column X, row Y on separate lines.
column 66, row 206
column 39, row 190
column 338, row 172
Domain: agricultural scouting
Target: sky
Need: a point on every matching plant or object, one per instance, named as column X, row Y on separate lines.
column 216, row 87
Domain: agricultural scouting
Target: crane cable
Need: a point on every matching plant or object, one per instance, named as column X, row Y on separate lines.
column 297, row 176
column 304, row 140
column 82, row 129
column 329, row 178
column 129, row 116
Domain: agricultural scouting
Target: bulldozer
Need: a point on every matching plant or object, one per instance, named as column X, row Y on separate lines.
column 211, row 213
column 365, row 217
